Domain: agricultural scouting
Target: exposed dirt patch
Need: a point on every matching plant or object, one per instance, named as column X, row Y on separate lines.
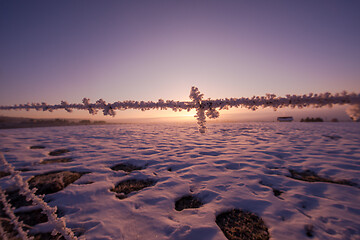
column 29, row 218
column 32, row 218
column 58, row 152
column 188, row 201
column 126, row 167
column 242, row 225
column 56, row 160
column 310, row 176
column 16, row 199
column 6, row 224
column 37, row 147
column 124, row 188
column 4, row 174
column 54, row 181
column 11, row 233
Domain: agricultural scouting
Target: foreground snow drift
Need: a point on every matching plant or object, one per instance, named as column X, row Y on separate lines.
column 253, row 167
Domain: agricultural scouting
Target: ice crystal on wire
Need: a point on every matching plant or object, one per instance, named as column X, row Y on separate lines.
column 196, row 96
column 92, row 110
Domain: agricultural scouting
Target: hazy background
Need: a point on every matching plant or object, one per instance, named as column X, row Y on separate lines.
column 146, row 50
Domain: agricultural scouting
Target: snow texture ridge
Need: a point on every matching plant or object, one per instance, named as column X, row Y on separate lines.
column 234, row 166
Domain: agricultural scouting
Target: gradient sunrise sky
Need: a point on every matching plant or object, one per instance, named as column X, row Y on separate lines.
column 146, row 50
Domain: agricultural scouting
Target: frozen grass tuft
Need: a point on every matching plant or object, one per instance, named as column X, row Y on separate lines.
column 124, row 188
column 126, row 167
column 310, row 176
column 242, row 225
column 54, row 181
column 188, row 201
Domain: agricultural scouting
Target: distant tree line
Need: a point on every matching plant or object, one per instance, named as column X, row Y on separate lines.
column 14, row 122
column 62, row 121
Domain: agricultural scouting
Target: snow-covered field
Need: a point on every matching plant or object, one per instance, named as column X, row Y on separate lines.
column 231, row 166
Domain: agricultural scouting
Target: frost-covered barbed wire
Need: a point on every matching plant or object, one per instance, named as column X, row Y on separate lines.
column 205, row 108
column 58, row 223
column 9, row 210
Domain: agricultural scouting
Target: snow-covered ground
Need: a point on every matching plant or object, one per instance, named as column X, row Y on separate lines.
column 231, row 166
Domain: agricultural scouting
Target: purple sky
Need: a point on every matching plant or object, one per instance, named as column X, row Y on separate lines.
column 146, row 50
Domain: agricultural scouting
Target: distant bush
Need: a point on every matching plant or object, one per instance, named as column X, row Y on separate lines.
column 311, row 120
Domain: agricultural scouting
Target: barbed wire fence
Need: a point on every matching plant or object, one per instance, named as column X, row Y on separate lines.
column 205, row 108
column 59, row 224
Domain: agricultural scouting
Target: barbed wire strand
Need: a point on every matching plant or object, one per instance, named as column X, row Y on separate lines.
column 58, row 223
column 9, row 210
column 204, row 107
